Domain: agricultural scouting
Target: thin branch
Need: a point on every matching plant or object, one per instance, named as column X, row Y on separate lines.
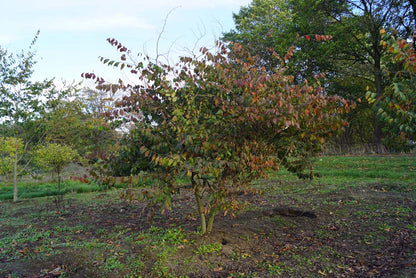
column 163, row 30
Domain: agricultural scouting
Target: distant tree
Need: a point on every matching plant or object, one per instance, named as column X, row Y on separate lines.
column 222, row 120
column 54, row 157
column 20, row 99
column 97, row 102
column 261, row 25
column 8, row 151
column 69, row 122
column 352, row 60
column 397, row 106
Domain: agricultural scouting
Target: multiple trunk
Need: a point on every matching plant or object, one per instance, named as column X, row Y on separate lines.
column 206, row 224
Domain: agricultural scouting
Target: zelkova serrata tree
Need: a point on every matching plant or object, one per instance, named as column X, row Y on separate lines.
column 222, row 120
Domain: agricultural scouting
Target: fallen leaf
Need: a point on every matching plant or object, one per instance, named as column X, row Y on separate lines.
column 322, row 273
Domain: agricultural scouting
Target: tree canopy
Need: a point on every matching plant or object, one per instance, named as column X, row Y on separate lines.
column 352, row 61
column 20, row 102
column 223, row 120
column 397, row 106
column 35, row 112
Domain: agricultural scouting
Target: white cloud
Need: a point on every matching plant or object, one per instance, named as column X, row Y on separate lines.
column 141, row 5
column 5, row 39
column 138, row 5
column 211, row 3
column 93, row 23
column 91, row 15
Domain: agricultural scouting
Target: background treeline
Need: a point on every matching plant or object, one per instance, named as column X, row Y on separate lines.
column 354, row 62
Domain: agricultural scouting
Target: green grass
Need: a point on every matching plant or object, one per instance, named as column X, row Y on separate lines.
column 346, row 171
column 35, row 190
column 395, row 172
column 388, row 169
column 208, row 248
column 364, row 205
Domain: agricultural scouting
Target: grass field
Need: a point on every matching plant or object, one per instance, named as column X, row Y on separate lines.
column 357, row 220
column 34, row 190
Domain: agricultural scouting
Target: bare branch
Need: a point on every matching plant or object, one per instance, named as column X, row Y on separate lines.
column 161, row 32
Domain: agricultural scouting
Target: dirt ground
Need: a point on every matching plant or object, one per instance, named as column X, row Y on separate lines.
column 364, row 231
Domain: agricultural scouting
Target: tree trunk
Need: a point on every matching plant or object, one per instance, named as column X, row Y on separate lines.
column 200, row 206
column 59, row 183
column 377, row 133
column 59, row 200
column 413, row 3
column 16, row 158
column 211, row 218
column 378, row 82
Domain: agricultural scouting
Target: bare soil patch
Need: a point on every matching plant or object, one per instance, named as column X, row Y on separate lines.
column 365, row 231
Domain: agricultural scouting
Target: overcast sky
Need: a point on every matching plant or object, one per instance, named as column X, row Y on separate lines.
column 73, row 33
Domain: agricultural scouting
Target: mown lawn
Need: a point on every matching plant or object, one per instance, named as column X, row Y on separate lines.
column 357, row 220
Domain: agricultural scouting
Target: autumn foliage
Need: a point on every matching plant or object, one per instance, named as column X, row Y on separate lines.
column 222, row 121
